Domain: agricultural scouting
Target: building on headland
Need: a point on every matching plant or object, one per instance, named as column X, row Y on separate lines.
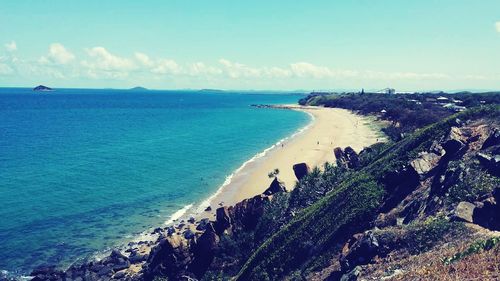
column 389, row 91
column 454, row 107
column 442, row 99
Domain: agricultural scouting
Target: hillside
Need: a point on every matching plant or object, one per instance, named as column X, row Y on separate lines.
column 410, row 191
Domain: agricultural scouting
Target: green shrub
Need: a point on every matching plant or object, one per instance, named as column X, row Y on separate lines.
column 475, row 183
column 421, row 237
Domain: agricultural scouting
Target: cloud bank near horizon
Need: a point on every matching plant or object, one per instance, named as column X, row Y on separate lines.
column 98, row 63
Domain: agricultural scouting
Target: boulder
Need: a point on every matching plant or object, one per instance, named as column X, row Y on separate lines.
column 119, row 275
column 203, row 224
column 464, row 212
column 399, row 183
column 189, row 234
column 454, row 142
column 222, row 220
column 301, row 170
column 47, row 272
column 169, row 258
column 170, row 230
column 360, row 250
column 275, row 187
column 493, row 139
column 116, row 261
column 352, row 275
column 352, row 158
column 487, row 212
column 339, row 154
column 203, row 251
column 490, row 162
column 246, row 214
column 347, row 158
column 425, row 163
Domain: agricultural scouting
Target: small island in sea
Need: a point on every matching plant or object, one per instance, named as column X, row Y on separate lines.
column 42, row 88
column 138, row 88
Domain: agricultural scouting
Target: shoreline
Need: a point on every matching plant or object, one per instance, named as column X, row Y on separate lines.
column 251, row 178
column 245, row 181
column 307, row 144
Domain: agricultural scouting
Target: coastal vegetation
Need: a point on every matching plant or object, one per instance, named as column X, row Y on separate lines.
column 406, row 112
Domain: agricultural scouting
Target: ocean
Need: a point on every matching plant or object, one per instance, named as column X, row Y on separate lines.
column 83, row 171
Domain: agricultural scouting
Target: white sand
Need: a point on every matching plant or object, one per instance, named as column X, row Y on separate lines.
column 331, row 127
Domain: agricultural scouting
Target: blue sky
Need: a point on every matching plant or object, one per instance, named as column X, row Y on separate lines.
column 281, row 45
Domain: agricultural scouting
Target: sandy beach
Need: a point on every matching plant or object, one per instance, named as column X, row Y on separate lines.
column 330, row 128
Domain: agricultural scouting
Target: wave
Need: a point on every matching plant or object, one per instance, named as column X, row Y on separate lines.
column 191, row 209
column 177, row 215
column 208, row 202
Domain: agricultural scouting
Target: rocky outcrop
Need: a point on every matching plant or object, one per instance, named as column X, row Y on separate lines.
column 301, row 170
column 347, row 158
column 493, row 139
column 464, row 212
column 275, row 187
column 425, row 163
column 246, row 214
column 204, row 251
column 490, row 162
column 112, row 266
column 47, row 273
column 487, row 212
column 359, row 250
column 169, row 258
column 180, row 256
column 399, row 183
column 222, row 220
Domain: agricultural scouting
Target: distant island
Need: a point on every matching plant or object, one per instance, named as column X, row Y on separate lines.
column 138, row 88
column 211, row 90
column 42, row 88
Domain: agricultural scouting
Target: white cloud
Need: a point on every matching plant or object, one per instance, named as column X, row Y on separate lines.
column 58, row 54
column 5, row 69
column 238, row 70
column 404, row 75
column 104, row 60
column 11, row 47
column 199, row 68
column 497, row 26
column 103, row 64
column 144, row 59
column 166, row 66
column 309, row 70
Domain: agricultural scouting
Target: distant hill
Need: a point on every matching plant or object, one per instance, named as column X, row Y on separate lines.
column 138, row 88
column 42, row 88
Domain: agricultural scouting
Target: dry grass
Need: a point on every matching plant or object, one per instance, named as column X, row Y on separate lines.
column 484, row 265
column 481, row 266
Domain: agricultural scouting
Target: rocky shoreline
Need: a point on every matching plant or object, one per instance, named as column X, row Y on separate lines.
column 180, row 250
column 183, row 250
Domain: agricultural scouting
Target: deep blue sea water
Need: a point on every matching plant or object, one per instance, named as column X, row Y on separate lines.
column 83, row 170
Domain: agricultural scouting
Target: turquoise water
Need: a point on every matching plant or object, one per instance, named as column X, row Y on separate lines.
column 84, row 170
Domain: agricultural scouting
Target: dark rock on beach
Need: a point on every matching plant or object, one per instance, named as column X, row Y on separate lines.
column 347, row 158
column 275, row 187
column 301, row 170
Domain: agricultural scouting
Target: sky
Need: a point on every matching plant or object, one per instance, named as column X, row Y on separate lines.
column 259, row 44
